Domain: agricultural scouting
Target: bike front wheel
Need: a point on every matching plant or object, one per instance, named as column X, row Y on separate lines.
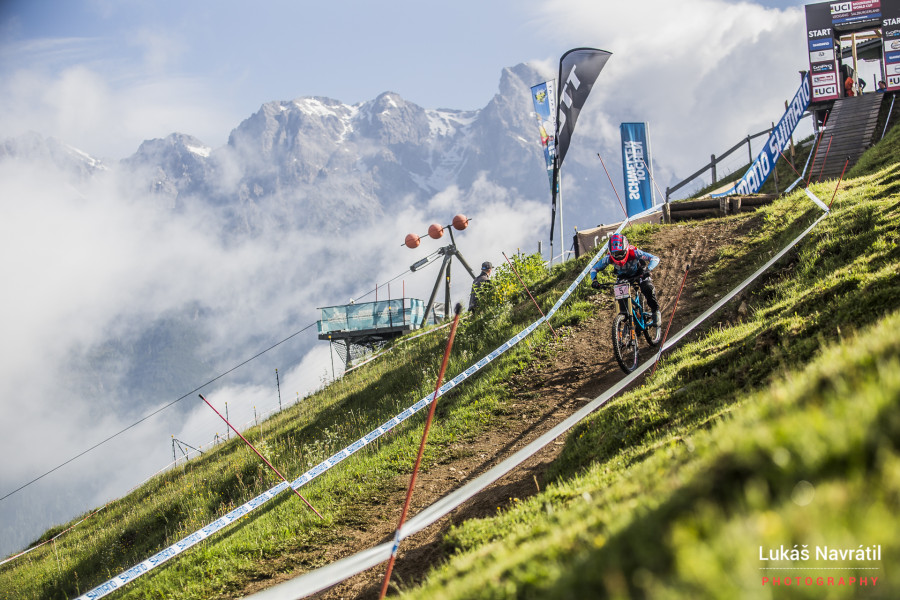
column 652, row 333
column 624, row 346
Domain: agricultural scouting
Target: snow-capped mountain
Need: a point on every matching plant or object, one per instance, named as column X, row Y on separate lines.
column 318, row 162
column 67, row 159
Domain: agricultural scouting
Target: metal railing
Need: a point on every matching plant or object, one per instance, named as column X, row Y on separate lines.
column 714, row 160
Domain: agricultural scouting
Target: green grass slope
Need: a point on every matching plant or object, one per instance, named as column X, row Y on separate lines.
column 284, row 535
column 778, row 428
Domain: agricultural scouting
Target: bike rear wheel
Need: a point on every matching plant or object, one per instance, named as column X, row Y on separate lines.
column 624, row 347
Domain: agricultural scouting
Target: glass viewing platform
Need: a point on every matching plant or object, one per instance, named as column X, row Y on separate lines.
column 383, row 319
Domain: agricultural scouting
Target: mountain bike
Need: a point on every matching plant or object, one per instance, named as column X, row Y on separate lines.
column 625, row 326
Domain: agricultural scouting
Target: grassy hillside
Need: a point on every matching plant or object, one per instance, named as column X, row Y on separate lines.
column 285, row 536
column 776, row 425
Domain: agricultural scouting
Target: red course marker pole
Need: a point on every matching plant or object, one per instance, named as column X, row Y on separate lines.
column 529, row 293
column 839, row 183
column 412, row 481
column 671, row 318
column 790, row 164
column 299, row 495
column 825, row 160
column 816, row 147
column 613, row 185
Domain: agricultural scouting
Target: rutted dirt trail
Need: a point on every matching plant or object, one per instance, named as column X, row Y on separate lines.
column 580, row 367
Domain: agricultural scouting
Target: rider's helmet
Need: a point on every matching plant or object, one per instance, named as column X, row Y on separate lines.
column 618, row 248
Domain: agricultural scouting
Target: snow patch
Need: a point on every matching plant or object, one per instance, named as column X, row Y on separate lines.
column 448, row 123
column 90, row 160
column 199, row 150
column 314, row 107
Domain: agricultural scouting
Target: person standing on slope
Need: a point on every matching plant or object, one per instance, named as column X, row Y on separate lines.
column 482, row 279
column 629, row 263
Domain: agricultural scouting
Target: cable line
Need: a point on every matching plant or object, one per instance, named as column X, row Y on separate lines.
column 155, row 412
column 173, row 402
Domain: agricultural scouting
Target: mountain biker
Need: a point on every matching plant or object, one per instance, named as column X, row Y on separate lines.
column 629, row 263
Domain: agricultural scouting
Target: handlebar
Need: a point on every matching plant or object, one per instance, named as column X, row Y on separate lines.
column 633, row 280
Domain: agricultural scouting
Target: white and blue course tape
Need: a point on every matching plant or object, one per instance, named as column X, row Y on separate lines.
column 198, row 536
column 338, row 571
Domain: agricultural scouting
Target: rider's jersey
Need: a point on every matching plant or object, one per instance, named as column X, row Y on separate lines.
column 631, row 266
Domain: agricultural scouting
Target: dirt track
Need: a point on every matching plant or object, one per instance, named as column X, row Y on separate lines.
column 580, row 369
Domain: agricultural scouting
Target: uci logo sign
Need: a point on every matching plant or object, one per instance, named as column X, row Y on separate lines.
column 841, row 7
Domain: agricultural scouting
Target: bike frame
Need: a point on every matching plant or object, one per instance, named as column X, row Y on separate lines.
column 637, row 309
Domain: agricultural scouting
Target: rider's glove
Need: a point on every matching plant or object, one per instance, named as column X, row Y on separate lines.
column 595, row 284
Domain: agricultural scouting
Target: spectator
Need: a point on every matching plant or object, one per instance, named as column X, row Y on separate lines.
column 882, row 87
column 484, row 277
column 861, row 85
column 848, row 87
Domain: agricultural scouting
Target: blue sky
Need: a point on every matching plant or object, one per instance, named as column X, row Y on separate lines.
column 104, row 75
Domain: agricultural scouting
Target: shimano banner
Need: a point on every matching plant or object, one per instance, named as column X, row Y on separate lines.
column 636, row 167
column 544, row 97
column 762, row 167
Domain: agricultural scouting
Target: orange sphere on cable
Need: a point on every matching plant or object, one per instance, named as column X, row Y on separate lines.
column 460, row 222
column 435, row 231
column 412, row 240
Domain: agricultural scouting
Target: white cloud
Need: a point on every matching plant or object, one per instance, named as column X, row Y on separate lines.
column 85, row 92
column 703, row 73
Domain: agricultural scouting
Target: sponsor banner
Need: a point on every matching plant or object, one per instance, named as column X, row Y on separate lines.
column 824, row 79
column 578, row 70
column 821, row 44
column 855, row 11
column 820, row 38
column 821, row 56
column 824, row 92
column 543, row 96
column 762, row 167
column 891, row 34
column 636, row 165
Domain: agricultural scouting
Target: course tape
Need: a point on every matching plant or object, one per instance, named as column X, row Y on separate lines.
column 332, row 574
column 198, row 536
